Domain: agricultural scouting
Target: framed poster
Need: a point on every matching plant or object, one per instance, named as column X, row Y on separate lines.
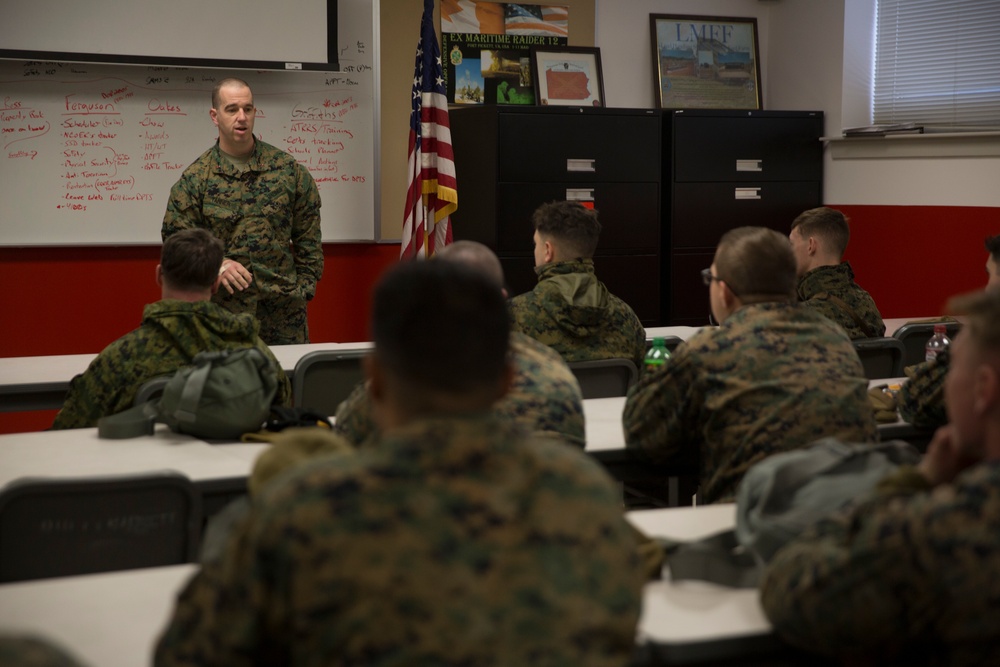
column 705, row 62
column 485, row 48
column 567, row 76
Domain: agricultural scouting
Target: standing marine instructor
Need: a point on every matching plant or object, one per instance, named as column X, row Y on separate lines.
column 264, row 206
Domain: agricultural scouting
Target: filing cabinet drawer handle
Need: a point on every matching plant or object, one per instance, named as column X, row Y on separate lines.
column 747, row 193
column 579, row 194
column 749, row 165
column 576, row 164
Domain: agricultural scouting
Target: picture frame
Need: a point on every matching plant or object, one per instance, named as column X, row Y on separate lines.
column 708, row 62
column 567, row 76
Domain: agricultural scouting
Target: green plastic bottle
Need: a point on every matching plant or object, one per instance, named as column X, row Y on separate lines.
column 657, row 355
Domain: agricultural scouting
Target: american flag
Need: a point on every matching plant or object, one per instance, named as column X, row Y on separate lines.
column 432, row 195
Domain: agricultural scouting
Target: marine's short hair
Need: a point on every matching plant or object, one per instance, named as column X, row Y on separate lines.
column 574, row 227
column 228, row 81
column 993, row 247
column 827, row 224
column 190, row 260
column 757, row 264
column 442, row 326
column 982, row 317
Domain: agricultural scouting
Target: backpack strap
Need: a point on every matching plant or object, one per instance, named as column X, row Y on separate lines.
column 717, row 558
column 137, row 421
column 865, row 329
column 187, row 406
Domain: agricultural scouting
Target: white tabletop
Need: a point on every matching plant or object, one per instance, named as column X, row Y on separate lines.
column 79, row 452
column 697, row 615
column 681, row 332
column 604, row 423
column 110, row 619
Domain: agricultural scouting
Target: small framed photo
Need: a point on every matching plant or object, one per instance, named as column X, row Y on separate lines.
column 567, row 76
column 705, row 62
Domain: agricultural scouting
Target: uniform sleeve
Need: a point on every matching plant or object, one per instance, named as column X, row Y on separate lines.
column 855, row 582
column 307, row 236
column 659, row 416
column 183, row 207
column 354, row 416
column 98, row 391
column 221, row 617
column 921, row 398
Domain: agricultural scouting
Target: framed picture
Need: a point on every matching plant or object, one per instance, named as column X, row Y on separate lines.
column 567, row 76
column 705, row 62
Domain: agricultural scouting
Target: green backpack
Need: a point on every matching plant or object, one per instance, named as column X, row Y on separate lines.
column 221, row 395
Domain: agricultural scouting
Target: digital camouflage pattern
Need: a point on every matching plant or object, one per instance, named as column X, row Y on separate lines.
column 771, row 378
column 572, row 312
column 268, row 219
column 908, row 577
column 449, row 542
column 171, row 334
column 816, row 288
column 30, row 651
column 544, row 398
column 921, row 398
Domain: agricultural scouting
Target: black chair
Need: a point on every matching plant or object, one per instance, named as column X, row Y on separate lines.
column 54, row 527
column 881, row 357
column 324, row 378
column 914, row 335
column 605, row 378
column 151, row 389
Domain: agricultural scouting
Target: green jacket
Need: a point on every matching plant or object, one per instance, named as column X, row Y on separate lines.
column 572, row 312
column 267, row 217
column 171, row 334
column 832, row 291
column 544, row 398
column 905, row 577
column 772, row 377
column 447, row 542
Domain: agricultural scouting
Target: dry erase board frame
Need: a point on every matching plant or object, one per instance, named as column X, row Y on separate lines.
column 180, row 33
column 327, row 120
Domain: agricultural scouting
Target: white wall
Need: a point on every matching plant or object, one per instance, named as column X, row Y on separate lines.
column 802, row 50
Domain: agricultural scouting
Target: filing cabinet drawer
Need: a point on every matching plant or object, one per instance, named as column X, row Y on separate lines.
column 753, row 148
column 703, row 212
column 629, row 213
column 579, row 147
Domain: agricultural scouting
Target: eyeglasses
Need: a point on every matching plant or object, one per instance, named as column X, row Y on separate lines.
column 707, row 277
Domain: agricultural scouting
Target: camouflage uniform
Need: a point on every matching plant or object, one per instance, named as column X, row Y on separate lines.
column 449, row 542
column 773, row 377
column 31, row 651
column 921, row 398
column 908, row 570
column 572, row 312
column 818, row 286
column 268, row 219
column 171, row 334
column 544, row 397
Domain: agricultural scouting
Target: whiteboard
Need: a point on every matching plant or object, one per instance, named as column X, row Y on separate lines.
column 88, row 152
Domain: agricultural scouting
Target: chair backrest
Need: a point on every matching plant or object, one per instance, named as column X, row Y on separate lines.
column 53, row 527
column 671, row 342
column 881, row 357
column 324, row 378
column 914, row 335
column 604, row 378
column 151, row 389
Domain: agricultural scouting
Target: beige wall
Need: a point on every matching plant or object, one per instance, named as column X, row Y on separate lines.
column 399, row 30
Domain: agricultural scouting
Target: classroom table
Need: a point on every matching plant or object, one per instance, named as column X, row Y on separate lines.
column 114, row 619
column 682, row 332
column 692, row 622
column 41, row 383
column 219, row 471
column 110, row 619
